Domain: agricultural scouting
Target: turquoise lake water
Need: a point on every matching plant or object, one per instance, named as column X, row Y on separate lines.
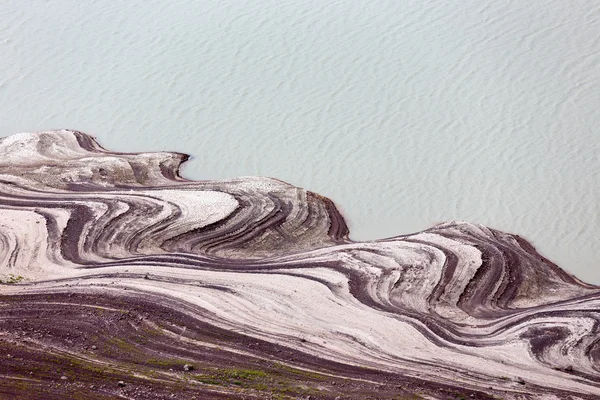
column 405, row 113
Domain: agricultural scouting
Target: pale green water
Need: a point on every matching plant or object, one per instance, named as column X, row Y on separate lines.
column 406, row 113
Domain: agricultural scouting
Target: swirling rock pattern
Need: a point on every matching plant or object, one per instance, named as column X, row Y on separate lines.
column 115, row 268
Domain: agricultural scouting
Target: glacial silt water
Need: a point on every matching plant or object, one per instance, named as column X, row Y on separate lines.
column 405, row 113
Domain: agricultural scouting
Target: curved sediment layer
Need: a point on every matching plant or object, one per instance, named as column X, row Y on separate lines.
column 117, row 269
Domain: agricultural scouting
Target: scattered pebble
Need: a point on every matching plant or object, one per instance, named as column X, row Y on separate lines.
column 520, row 380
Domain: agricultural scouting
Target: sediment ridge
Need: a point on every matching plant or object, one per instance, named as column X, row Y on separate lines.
column 120, row 278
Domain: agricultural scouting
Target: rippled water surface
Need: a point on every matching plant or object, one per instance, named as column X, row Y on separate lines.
column 405, row 113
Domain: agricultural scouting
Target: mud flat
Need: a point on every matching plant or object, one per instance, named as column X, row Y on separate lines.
column 120, row 278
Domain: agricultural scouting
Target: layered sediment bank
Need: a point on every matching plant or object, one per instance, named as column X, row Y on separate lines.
column 122, row 278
